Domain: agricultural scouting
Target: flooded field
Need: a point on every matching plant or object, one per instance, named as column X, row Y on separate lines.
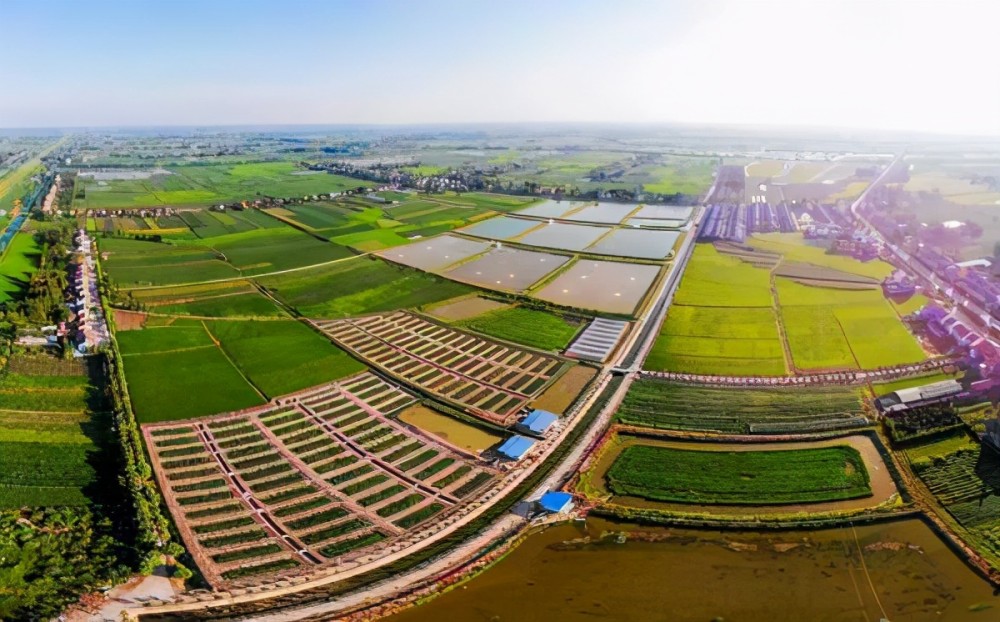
column 434, row 253
column 551, row 209
column 640, row 243
column 665, row 212
column 500, row 228
column 464, row 308
column 608, row 286
column 605, row 213
column 508, row 269
column 564, row 236
column 898, row 571
column 653, row 223
column 458, row 433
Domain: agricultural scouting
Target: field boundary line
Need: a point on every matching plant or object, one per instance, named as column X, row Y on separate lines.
column 218, row 344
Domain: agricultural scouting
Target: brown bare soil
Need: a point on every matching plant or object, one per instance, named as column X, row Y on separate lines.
column 129, row 320
column 465, row 308
column 558, row 397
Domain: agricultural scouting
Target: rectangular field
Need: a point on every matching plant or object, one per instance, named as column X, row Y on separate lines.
column 739, row 478
column 661, row 404
column 489, row 380
column 607, row 286
column 563, row 236
column 435, row 253
column 507, row 269
column 638, row 243
column 308, row 482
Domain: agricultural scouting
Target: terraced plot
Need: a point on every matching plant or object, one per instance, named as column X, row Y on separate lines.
column 487, row 379
column 311, row 480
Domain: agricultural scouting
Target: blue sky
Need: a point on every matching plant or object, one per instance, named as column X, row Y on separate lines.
column 884, row 64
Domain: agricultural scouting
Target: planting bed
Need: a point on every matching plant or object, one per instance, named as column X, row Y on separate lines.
column 487, row 379
column 306, row 481
column 662, row 404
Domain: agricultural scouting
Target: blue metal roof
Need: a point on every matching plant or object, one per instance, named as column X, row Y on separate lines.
column 555, row 501
column 539, row 421
column 516, row 446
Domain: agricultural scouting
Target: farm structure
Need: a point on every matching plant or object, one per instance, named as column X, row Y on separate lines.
column 489, row 380
column 317, row 478
column 598, row 341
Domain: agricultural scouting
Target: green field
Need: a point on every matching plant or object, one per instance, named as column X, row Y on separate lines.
column 18, row 263
column 51, row 425
column 739, row 477
column 283, row 357
column 661, row 404
column 159, row 360
column 726, row 314
column 536, row 329
column 362, row 285
column 836, row 329
column 950, row 468
column 210, row 184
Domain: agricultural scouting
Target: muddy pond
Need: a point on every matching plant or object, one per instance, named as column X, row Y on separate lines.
column 900, row 571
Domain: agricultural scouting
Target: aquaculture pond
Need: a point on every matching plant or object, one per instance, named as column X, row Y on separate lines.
column 899, row 571
column 665, row 212
column 508, row 269
column 640, row 243
column 608, row 286
column 501, row 227
column 564, row 236
column 434, row 253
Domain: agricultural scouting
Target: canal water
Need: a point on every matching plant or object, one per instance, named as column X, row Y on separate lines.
column 900, row 571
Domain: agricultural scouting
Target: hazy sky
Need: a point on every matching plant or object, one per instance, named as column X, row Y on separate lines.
column 931, row 66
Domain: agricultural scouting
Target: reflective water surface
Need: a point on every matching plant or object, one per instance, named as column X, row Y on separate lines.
column 900, row 571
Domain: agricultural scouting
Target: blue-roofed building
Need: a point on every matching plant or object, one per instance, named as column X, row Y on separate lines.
column 556, row 502
column 515, row 447
column 538, row 422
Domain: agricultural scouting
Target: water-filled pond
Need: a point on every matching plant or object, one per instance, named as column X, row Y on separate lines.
column 900, row 571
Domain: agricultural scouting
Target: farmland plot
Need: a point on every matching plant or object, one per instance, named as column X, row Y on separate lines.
column 315, row 479
column 487, row 379
column 585, row 285
column 507, row 269
column 435, row 253
column 656, row 403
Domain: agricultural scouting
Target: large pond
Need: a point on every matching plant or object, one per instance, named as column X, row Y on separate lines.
column 900, row 571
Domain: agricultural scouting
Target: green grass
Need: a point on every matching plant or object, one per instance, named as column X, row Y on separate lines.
column 713, row 279
column 238, row 304
column 829, row 328
column 793, row 247
column 283, row 357
column 536, row 329
column 739, row 478
column 360, row 286
column 18, row 264
column 159, row 361
column 200, row 185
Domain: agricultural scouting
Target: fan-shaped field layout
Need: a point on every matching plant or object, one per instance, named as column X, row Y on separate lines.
column 322, row 479
column 486, row 379
column 728, row 479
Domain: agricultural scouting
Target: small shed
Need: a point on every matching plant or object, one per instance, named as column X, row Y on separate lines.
column 515, row 447
column 538, row 422
column 555, row 502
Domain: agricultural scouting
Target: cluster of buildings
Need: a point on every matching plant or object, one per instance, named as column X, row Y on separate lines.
column 91, row 328
column 147, row 212
column 535, row 426
column 946, row 331
column 732, row 222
